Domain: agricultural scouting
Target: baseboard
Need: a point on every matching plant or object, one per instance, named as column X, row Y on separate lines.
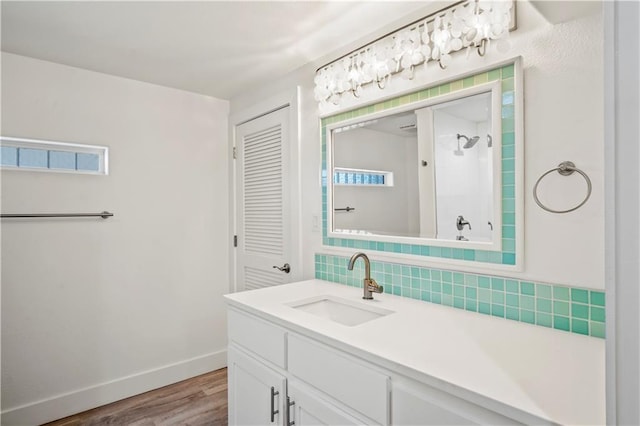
column 80, row 400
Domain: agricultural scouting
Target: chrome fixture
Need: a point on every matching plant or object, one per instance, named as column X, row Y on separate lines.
column 458, row 151
column 370, row 285
column 566, row 168
column 467, row 24
column 470, row 142
column 490, row 225
column 461, row 223
column 489, row 141
column 105, row 215
column 461, row 238
column 286, row 268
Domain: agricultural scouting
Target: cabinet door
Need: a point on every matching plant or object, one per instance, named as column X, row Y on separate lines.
column 256, row 392
column 308, row 408
column 417, row 404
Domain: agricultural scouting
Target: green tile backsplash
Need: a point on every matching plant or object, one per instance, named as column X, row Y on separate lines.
column 507, row 256
column 576, row 310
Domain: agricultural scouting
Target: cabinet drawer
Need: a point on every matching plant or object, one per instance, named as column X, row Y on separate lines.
column 260, row 337
column 342, row 377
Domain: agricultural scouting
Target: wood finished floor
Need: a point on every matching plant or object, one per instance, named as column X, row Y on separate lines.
column 199, row 401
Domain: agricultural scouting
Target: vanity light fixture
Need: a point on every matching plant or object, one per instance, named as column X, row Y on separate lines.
column 470, row 24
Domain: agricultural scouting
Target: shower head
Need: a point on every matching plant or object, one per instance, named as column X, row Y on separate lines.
column 469, row 142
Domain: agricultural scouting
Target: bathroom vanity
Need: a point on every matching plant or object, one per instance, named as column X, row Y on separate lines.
column 314, row 352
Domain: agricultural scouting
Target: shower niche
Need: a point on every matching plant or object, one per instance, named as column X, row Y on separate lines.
column 428, row 173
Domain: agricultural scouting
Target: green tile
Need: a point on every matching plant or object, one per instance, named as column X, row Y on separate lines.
column 507, row 84
column 415, row 293
column 508, row 71
column 447, row 277
column 561, row 323
column 471, row 305
column 543, row 290
column 497, row 297
column 512, row 314
column 425, row 296
column 560, row 308
column 597, row 298
column 497, row 284
column 579, row 295
column 579, row 326
column 512, row 300
column 544, row 320
column 447, row 300
column 484, row 308
column 527, row 288
column 597, row 329
column 528, row 316
column 436, row 287
column 458, row 291
column 597, row 314
column 543, row 305
column 469, row 254
column 511, row 285
column 467, row 82
column 458, row 302
column 458, row 278
column 434, row 91
column 509, row 231
column 484, row 295
column 471, row 293
column 527, row 302
column 484, row 282
column 447, row 288
column 497, row 310
column 445, row 88
column 560, row 293
column 579, row 310
column 494, row 75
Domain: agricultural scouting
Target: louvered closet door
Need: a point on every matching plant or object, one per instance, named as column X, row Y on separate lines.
column 262, row 197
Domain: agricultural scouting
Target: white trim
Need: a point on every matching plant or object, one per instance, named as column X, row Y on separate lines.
column 285, row 98
column 66, row 404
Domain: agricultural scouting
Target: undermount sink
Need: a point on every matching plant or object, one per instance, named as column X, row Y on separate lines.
column 339, row 310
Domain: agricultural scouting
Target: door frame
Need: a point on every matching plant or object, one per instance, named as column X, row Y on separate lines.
column 287, row 98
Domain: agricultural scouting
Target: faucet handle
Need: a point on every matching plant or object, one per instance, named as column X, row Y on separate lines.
column 373, row 286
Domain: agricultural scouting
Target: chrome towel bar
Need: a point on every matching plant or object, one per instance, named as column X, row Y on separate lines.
column 104, row 215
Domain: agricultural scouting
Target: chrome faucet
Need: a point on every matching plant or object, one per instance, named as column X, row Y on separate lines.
column 370, row 285
column 461, row 222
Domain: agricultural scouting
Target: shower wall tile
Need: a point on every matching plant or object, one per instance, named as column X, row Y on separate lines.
column 564, row 308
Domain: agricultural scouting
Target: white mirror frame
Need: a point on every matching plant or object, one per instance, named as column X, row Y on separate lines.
column 496, row 122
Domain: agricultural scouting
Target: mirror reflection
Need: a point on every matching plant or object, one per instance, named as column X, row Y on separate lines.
column 425, row 173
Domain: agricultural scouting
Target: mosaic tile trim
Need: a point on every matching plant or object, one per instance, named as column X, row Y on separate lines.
column 507, row 256
column 571, row 309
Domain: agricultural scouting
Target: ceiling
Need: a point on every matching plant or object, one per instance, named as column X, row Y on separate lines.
column 216, row 48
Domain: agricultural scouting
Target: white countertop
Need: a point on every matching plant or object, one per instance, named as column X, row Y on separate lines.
column 554, row 375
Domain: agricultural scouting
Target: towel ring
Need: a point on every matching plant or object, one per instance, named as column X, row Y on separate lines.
column 565, row 168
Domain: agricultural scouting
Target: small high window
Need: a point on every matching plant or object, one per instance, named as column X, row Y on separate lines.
column 33, row 154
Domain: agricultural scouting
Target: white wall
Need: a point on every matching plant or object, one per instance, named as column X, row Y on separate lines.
column 563, row 119
column 385, row 209
column 95, row 310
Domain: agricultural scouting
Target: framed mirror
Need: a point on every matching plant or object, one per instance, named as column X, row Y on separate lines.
column 432, row 177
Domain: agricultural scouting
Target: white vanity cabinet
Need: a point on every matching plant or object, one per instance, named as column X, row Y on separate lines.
column 277, row 377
